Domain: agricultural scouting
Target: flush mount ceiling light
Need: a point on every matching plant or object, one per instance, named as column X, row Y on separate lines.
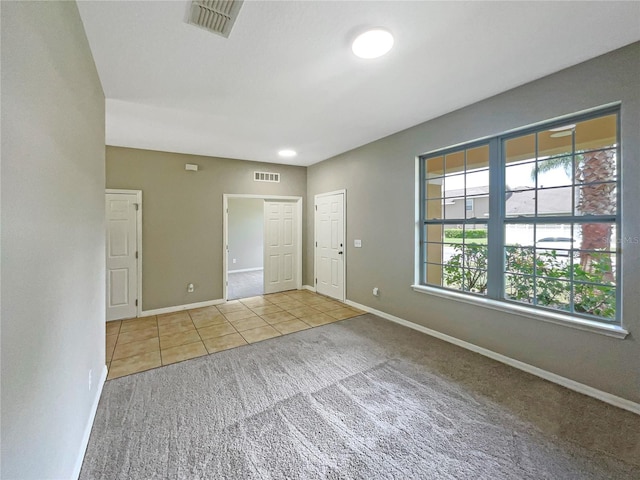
column 372, row 43
column 287, row 153
column 566, row 127
column 564, row 131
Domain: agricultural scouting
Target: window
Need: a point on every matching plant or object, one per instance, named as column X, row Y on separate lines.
column 455, row 239
column 469, row 204
column 530, row 217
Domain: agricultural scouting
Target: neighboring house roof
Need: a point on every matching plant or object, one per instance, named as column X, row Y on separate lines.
column 553, row 202
column 521, row 201
column 471, row 191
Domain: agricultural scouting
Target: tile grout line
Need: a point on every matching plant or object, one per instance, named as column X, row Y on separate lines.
column 254, row 313
column 261, row 318
column 198, row 331
column 114, row 347
column 159, row 347
column 282, row 310
column 125, row 358
column 184, row 331
column 234, row 327
column 284, row 296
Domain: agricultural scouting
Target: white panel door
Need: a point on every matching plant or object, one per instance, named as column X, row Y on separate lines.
column 122, row 266
column 280, row 246
column 329, row 226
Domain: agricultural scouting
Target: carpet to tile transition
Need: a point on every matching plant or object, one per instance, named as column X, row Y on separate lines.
column 358, row 399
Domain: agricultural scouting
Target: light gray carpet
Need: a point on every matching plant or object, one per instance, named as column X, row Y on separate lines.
column 358, row 399
column 245, row 284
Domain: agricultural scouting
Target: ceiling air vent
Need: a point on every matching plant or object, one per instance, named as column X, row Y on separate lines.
column 217, row 16
column 266, row 177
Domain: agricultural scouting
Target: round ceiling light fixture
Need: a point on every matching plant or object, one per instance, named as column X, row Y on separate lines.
column 563, row 133
column 560, row 132
column 373, row 43
column 287, row 153
column 566, row 127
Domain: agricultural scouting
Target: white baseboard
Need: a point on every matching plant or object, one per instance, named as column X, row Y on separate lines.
column 245, row 270
column 309, row 287
column 538, row 372
column 179, row 308
column 87, row 428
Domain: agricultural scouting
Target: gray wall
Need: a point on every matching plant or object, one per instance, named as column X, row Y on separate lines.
column 246, row 233
column 53, row 241
column 380, row 183
column 182, row 216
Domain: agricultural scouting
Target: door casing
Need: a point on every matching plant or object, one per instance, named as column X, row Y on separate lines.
column 138, row 194
column 225, row 229
column 344, row 233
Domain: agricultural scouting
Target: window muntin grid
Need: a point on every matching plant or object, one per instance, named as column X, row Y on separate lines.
column 546, row 267
column 560, row 168
column 454, row 238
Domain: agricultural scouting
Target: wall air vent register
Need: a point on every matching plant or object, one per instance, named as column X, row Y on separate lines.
column 266, row 177
column 217, row 16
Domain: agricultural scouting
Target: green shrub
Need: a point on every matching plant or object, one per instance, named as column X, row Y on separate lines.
column 475, row 234
column 453, row 233
column 466, row 270
column 460, row 233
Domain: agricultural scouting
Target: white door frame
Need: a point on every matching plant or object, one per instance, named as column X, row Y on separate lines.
column 344, row 232
column 138, row 194
column 225, row 234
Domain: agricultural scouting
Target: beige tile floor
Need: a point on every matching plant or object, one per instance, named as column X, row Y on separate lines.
column 140, row 344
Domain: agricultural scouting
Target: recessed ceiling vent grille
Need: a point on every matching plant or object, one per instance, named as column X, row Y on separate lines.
column 217, row 16
column 266, row 177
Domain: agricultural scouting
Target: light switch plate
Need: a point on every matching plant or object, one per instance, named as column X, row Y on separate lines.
column 357, row 243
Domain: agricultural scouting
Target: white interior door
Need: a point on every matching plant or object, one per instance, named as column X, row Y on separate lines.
column 330, row 241
column 280, row 246
column 122, row 266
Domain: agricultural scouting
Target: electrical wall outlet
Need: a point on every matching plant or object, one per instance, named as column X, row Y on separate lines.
column 233, row 261
column 376, row 291
column 190, row 288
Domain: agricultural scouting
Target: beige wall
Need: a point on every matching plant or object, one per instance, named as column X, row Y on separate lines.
column 380, row 183
column 182, row 216
column 53, row 242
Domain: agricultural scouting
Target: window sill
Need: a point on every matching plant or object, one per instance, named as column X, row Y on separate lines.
column 615, row 331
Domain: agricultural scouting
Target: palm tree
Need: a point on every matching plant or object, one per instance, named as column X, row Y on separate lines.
column 593, row 198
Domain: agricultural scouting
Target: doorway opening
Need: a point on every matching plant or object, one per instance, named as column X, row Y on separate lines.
column 262, row 244
column 246, row 248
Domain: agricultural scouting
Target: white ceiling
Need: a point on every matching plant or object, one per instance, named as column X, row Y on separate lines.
column 286, row 77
